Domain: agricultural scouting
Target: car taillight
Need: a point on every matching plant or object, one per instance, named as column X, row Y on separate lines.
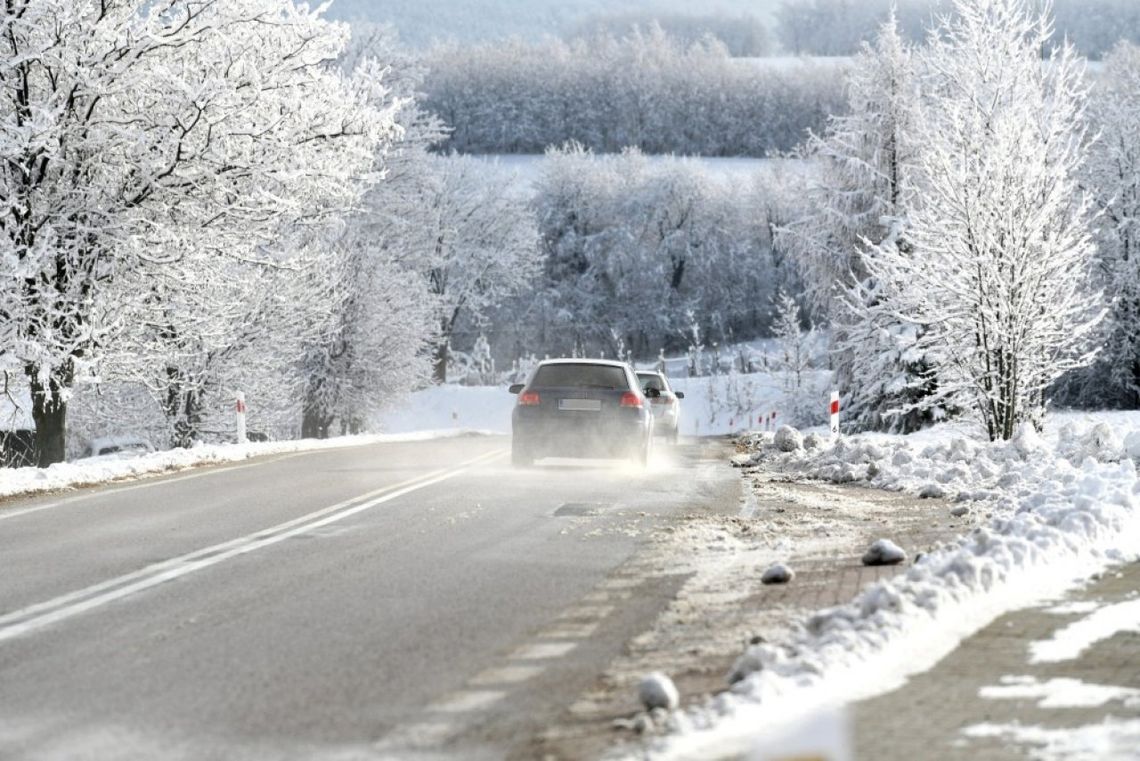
column 529, row 399
column 630, row 399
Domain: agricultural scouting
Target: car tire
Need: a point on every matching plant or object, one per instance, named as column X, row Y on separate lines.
column 521, row 457
column 641, row 452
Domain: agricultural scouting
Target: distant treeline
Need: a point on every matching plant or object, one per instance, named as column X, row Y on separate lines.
column 646, row 90
column 743, row 35
column 839, row 27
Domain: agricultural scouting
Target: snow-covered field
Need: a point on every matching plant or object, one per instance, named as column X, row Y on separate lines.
column 108, row 468
column 714, row 405
column 1059, row 508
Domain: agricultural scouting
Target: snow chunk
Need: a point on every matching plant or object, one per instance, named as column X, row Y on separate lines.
column 883, row 552
column 818, row 441
column 1132, row 445
column 777, row 573
column 1026, row 441
column 932, row 491
column 657, row 690
column 788, row 439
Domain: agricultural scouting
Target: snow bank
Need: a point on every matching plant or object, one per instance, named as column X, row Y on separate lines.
column 1061, row 508
column 485, row 408
column 97, row 470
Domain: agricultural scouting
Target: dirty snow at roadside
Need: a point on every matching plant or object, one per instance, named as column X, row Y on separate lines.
column 1058, row 510
column 98, row 470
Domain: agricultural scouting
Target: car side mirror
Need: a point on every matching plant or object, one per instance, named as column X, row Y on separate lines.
column 516, row 387
column 680, row 395
column 653, row 393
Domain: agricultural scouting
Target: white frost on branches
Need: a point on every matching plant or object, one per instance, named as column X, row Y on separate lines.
column 1002, row 252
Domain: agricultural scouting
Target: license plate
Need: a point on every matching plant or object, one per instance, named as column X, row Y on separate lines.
column 580, row 405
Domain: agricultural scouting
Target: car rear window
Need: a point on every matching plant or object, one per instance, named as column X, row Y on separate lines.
column 651, row 380
column 597, row 376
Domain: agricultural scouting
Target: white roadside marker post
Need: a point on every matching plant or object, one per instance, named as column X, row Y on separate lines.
column 239, row 417
column 835, row 413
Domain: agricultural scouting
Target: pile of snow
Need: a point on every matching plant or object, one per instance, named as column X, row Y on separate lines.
column 1062, row 508
column 454, row 407
column 116, row 467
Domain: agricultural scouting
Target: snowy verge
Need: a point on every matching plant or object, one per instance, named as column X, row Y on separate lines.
column 1059, row 510
column 99, row 470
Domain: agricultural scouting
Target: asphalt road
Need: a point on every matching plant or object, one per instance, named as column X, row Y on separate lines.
column 387, row 601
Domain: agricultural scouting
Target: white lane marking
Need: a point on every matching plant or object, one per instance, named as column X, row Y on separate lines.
column 587, row 612
column 621, row 583
column 505, row 675
column 151, row 479
column 417, row 736
column 570, row 631
column 543, row 651
column 467, row 700
column 65, row 606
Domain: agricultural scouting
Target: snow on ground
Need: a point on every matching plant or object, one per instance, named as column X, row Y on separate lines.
column 713, row 406
column 1059, row 508
column 98, row 470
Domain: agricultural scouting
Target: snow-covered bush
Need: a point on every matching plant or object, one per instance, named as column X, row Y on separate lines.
column 788, row 439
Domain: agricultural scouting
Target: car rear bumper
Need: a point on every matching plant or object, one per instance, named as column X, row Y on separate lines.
column 579, row 436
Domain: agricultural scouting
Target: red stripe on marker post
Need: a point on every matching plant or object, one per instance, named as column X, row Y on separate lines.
column 835, row 413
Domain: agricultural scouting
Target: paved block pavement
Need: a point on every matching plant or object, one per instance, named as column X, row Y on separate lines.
column 941, row 714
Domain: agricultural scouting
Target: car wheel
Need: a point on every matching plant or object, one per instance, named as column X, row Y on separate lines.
column 641, row 453
column 521, row 457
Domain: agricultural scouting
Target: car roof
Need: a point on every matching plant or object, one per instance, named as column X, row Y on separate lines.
column 572, row 361
column 651, row 372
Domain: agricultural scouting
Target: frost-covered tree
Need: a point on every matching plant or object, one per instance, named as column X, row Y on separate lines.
column 470, row 234
column 1001, row 252
column 1114, row 179
column 133, row 133
column 865, row 193
column 382, row 317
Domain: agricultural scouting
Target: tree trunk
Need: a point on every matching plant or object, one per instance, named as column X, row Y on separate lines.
column 49, row 411
column 439, row 372
column 314, row 423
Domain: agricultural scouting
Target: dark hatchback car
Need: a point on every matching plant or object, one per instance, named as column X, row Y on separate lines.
column 580, row 408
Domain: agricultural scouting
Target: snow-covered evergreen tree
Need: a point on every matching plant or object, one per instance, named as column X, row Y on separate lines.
column 863, row 198
column 1000, row 253
column 1114, row 178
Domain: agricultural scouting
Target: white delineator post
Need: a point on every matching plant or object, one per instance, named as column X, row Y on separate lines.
column 834, row 413
column 239, row 417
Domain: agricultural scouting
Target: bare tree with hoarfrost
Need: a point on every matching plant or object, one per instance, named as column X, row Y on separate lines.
column 1001, row 251
column 136, row 133
column 474, row 240
column 383, row 319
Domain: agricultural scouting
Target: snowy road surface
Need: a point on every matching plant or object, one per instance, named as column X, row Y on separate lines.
column 345, row 603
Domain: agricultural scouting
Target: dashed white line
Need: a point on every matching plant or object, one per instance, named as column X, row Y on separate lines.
column 466, row 701
column 505, row 675
column 570, row 631
column 586, row 612
column 543, row 651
